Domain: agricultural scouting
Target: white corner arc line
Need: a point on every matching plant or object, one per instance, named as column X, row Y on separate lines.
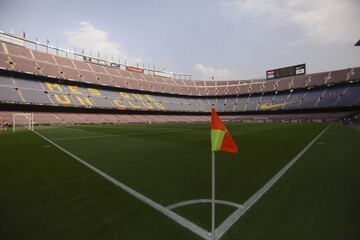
column 167, row 212
column 231, row 220
column 196, row 201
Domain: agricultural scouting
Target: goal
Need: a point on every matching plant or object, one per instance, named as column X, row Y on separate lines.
column 23, row 120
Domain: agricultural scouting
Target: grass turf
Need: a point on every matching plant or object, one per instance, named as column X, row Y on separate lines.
column 46, row 194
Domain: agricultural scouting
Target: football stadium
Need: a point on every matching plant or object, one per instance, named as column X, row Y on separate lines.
column 95, row 148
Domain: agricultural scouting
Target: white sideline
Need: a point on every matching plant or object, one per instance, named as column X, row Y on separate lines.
column 167, row 212
column 224, row 227
column 196, row 201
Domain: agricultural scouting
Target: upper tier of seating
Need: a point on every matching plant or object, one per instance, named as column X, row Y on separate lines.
column 21, row 59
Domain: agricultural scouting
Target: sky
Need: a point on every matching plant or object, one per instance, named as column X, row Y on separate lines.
column 227, row 39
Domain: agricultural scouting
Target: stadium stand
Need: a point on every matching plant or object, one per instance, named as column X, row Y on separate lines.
column 35, row 78
column 26, row 90
column 53, row 118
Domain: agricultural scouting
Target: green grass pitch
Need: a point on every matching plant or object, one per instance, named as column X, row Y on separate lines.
column 47, row 194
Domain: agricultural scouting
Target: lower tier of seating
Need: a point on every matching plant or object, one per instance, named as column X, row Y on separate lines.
column 61, row 118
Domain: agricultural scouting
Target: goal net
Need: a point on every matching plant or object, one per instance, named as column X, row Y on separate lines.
column 23, row 120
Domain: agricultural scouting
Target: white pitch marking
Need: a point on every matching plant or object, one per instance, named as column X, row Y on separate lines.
column 167, row 212
column 225, row 226
column 196, row 201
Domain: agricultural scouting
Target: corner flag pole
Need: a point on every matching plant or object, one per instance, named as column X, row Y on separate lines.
column 213, row 197
column 220, row 141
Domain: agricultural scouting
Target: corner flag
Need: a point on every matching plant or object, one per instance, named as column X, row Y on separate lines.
column 220, row 137
column 220, row 141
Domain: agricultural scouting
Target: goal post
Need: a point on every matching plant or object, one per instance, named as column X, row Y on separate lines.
column 24, row 119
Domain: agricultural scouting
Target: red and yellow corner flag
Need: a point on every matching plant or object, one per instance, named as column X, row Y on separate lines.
column 220, row 138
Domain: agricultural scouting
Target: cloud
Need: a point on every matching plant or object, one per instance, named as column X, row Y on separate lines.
column 296, row 43
column 282, row 52
column 321, row 21
column 217, row 73
column 87, row 36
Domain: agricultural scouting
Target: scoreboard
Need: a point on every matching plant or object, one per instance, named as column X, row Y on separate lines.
column 286, row 72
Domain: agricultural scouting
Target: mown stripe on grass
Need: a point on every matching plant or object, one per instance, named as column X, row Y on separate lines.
column 86, row 137
column 234, row 217
column 177, row 218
